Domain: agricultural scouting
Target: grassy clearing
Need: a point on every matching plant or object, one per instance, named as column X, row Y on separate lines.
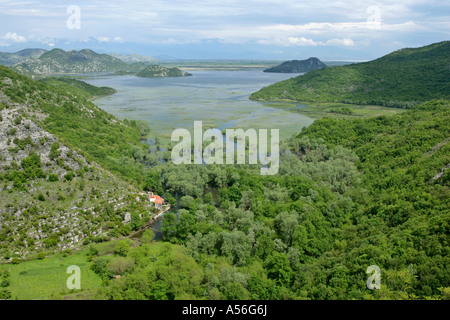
column 47, row 278
column 108, row 247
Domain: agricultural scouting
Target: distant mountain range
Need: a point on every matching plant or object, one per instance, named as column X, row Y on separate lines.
column 9, row 59
column 298, row 66
column 39, row 62
column 400, row 79
column 60, row 61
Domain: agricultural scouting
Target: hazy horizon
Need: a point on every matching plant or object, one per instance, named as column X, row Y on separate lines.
column 226, row 30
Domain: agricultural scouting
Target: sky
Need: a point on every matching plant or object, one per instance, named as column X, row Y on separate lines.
column 352, row 30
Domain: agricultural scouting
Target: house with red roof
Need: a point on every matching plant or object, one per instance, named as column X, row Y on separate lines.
column 157, row 200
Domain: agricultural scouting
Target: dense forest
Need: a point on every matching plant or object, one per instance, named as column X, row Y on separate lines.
column 403, row 78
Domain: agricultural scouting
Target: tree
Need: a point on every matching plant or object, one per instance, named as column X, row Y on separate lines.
column 148, row 236
column 186, row 225
column 278, row 269
column 235, row 246
column 120, row 265
column 169, row 226
column 135, row 222
column 122, row 248
column 285, row 225
column 186, row 202
column 208, row 198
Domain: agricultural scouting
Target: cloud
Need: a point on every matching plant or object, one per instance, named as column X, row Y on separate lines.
column 373, row 27
column 340, row 42
column 306, row 42
column 301, row 41
column 13, row 37
column 102, row 39
column 322, row 27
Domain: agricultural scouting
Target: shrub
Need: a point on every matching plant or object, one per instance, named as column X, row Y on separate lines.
column 120, row 265
column 41, row 255
column 53, row 177
column 54, row 153
column 69, row 176
column 122, row 248
column 5, row 294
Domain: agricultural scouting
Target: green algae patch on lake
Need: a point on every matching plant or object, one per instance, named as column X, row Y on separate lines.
column 320, row 110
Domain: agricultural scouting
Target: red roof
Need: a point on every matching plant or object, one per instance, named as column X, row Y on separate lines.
column 157, row 199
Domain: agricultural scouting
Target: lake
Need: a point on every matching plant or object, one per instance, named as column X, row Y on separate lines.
column 218, row 98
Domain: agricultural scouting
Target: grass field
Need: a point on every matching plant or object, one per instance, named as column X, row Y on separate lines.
column 47, row 278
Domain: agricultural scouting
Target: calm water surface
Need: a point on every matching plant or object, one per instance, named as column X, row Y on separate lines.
column 218, row 98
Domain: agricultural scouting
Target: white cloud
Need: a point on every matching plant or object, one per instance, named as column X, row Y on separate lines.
column 13, row 37
column 340, row 42
column 301, row 41
column 306, row 42
column 289, row 42
column 102, row 39
column 317, row 28
column 370, row 26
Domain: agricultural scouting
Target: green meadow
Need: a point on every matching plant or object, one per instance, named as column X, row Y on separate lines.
column 43, row 279
column 47, row 278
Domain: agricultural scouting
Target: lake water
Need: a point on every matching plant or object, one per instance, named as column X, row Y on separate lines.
column 218, row 98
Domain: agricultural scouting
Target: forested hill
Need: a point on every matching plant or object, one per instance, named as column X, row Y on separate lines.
column 157, row 71
column 298, row 66
column 400, row 79
column 60, row 61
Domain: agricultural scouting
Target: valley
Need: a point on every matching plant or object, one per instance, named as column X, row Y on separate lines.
column 360, row 183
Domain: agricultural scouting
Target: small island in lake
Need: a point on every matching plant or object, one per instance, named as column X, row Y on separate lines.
column 156, row 71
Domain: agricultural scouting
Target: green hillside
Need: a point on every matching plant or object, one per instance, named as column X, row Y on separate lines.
column 78, row 87
column 298, row 66
column 71, row 117
column 8, row 59
column 60, row 61
column 400, row 79
column 55, row 195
